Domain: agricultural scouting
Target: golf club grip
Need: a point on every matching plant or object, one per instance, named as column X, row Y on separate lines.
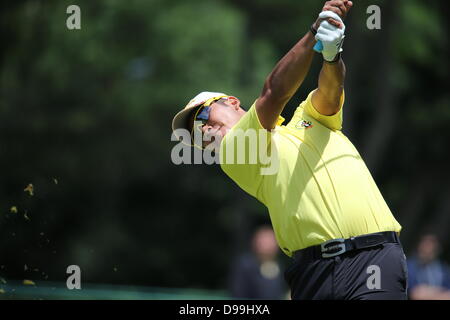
column 318, row 47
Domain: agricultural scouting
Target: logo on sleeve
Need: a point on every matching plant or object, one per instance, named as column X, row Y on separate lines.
column 303, row 124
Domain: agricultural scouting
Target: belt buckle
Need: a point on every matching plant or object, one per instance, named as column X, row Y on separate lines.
column 324, row 247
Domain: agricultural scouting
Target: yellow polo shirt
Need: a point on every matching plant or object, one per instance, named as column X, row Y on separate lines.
column 320, row 189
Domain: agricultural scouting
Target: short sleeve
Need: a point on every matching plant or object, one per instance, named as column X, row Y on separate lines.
column 245, row 152
column 333, row 122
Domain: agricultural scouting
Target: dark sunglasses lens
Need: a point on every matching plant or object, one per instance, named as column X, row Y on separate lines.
column 203, row 115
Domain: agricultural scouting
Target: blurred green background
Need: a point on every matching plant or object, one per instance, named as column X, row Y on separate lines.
column 85, row 116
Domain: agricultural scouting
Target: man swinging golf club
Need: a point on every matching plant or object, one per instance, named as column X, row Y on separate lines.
column 325, row 208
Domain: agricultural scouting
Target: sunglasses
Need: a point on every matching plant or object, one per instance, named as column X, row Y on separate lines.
column 202, row 115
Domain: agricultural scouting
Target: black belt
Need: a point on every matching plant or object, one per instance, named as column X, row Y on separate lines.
column 335, row 247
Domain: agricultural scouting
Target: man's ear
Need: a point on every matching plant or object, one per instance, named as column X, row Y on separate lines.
column 235, row 102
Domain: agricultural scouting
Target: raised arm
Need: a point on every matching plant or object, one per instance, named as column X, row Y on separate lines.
column 331, row 85
column 291, row 70
column 284, row 80
column 326, row 99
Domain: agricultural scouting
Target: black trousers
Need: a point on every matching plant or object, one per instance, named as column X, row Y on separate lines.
column 376, row 273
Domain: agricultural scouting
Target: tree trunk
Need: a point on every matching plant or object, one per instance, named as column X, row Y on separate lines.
column 382, row 128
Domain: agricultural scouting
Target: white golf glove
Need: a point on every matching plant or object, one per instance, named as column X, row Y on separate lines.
column 332, row 37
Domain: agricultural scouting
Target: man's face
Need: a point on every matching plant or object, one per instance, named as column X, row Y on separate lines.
column 265, row 244
column 224, row 114
column 428, row 248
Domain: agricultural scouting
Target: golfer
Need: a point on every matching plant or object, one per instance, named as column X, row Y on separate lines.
column 326, row 210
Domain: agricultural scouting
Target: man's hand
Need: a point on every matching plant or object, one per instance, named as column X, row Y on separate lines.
column 340, row 7
column 331, row 36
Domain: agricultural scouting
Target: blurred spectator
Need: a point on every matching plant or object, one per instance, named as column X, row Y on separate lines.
column 428, row 277
column 257, row 275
